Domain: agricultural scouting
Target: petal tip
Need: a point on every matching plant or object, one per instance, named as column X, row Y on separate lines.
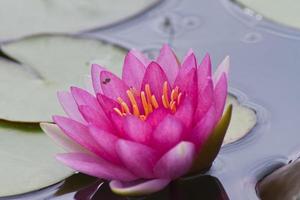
column 139, row 189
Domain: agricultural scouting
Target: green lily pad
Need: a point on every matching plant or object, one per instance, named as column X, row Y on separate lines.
column 23, row 18
column 27, row 159
column 48, row 63
column 283, row 12
column 243, row 119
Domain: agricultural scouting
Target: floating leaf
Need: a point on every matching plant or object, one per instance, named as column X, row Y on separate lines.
column 27, row 159
column 48, row 63
column 283, row 12
column 23, row 18
column 284, row 183
column 242, row 121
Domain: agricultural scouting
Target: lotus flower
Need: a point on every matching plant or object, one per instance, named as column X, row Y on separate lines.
column 160, row 121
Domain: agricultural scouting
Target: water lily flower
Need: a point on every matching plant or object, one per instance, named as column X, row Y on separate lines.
column 160, row 121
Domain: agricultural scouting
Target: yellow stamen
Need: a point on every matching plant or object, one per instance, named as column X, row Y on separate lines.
column 174, row 93
column 133, row 90
column 124, row 105
column 126, row 108
column 165, row 90
column 164, row 101
column 118, row 111
column 154, row 101
column 133, row 102
column 122, row 108
column 165, row 93
column 148, row 94
column 150, row 108
column 136, row 111
column 144, row 102
column 179, row 98
column 149, row 101
column 173, row 106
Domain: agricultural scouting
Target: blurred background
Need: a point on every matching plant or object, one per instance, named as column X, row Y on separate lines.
column 48, row 45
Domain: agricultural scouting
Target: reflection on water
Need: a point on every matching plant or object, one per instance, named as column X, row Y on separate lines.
column 82, row 187
column 203, row 187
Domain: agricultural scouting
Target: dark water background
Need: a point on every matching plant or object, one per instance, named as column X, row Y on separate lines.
column 83, row 187
column 265, row 68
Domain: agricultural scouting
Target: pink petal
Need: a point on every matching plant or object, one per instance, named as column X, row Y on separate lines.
column 96, row 71
column 204, row 76
column 138, row 189
column 133, row 71
column 77, row 132
column 139, row 158
column 205, row 88
column 155, row 77
column 189, row 61
column 95, row 166
column 169, row 63
column 96, row 117
column 60, row 138
column 204, row 72
column 136, row 129
column 156, row 116
column 118, row 122
column 140, row 56
column 70, row 107
column 185, row 112
column 167, row 134
column 106, row 142
column 176, row 162
column 203, row 128
column 220, row 95
column 222, row 68
column 113, row 87
column 189, row 87
column 106, row 103
column 205, row 100
column 83, row 97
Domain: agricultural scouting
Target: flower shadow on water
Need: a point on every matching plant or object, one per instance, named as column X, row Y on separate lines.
column 202, row 187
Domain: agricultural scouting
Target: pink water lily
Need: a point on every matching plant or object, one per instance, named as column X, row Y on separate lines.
column 160, row 121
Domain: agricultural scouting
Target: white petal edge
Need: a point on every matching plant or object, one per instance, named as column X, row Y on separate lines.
column 139, row 189
column 58, row 136
column 176, row 162
column 222, row 68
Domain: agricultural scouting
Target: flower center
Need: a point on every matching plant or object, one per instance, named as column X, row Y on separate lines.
column 149, row 101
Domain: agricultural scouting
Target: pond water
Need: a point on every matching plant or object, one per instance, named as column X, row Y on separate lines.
column 83, row 187
column 264, row 76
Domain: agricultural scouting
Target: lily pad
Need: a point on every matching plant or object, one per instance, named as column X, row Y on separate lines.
column 283, row 12
column 23, row 18
column 46, row 64
column 243, row 119
column 27, row 159
column 283, row 183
